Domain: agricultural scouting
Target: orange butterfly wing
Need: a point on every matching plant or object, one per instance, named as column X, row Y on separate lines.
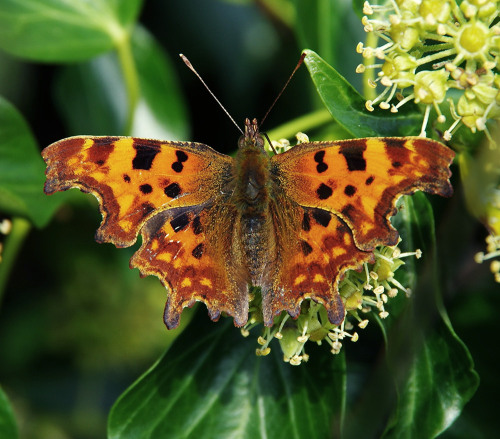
column 343, row 194
column 360, row 180
column 159, row 189
column 315, row 251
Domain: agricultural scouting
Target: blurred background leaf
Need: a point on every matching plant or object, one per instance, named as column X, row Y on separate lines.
column 22, row 170
column 8, row 428
column 92, row 98
column 62, row 31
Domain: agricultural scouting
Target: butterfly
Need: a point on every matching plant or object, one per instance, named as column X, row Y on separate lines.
column 212, row 226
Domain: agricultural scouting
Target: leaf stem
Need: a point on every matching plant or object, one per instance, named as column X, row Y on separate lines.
column 12, row 245
column 303, row 123
column 131, row 79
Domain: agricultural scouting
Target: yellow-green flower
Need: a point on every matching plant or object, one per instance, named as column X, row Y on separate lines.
column 431, row 46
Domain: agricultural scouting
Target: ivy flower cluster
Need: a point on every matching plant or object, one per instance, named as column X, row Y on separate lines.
column 363, row 293
column 430, row 47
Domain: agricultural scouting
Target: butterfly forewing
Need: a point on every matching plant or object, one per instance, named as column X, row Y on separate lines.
column 134, row 178
column 360, row 180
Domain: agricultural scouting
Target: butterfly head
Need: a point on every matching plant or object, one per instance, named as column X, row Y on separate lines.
column 252, row 137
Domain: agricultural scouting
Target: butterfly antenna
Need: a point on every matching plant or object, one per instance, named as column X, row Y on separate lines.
column 283, row 89
column 188, row 63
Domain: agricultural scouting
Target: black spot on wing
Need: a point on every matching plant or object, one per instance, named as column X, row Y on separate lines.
column 146, row 188
column 198, row 251
column 322, row 217
column 350, row 190
column 180, row 222
column 353, row 154
column 181, row 158
column 126, row 178
column 172, row 190
column 145, row 155
column 306, row 222
column 306, row 248
column 324, row 192
column 197, row 227
column 319, row 159
column 369, row 180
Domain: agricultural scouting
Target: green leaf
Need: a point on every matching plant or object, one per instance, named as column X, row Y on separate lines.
column 211, row 384
column 347, row 106
column 318, row 25
column 64, row 31
column 92, row 97
column 322, row 27
column 22, row 170
column 8, row 427
column 440, row 379
column 428, row 376
column 439, row 384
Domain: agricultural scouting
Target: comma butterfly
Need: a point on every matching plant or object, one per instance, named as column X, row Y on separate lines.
column 213, row 225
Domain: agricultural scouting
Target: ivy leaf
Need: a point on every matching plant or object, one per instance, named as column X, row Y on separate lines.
column 440, row 382
column 428, row 376
column 347, row 106
column 211, row 384
column 64, row 31
column 22, row 170
column 92, row 97
column 8, row 427
column 440, row 378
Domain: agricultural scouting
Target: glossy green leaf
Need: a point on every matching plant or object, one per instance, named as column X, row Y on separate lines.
column 63, row 31
column 93, row 100
column 22, row 170
column 8, row 427
column 440, row 382
column 211, row 384
column 441, row 377
column 347, row 106
column 429, row 376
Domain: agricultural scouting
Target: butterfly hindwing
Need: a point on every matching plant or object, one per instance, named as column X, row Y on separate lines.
column 315, row 258
column 188, row 252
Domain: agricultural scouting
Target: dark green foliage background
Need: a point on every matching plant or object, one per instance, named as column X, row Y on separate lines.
column 77, row 327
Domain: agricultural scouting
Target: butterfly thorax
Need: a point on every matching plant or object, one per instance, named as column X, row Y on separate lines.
column 252, row 172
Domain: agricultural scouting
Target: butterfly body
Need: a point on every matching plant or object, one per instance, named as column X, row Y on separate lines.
column 251, row 196
column 213, row 225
